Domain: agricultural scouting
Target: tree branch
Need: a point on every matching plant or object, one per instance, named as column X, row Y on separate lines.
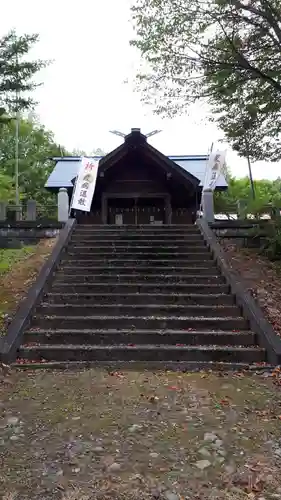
column 265, row 15
column 245, row 64
column 271, row 18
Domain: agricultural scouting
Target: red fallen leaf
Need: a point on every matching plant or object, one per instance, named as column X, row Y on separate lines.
column 224, row 402
column 22, row 361
column 113, row 374
column 173, row 388
column 179, row 345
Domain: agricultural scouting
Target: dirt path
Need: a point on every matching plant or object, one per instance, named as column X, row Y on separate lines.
column 15, row 283
column 93, row 435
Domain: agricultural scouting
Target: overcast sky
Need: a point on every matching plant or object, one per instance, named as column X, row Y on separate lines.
column 84, row 94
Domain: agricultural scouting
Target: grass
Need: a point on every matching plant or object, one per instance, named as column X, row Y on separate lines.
column 18, row 270
column 9, row 257
column 72, row 426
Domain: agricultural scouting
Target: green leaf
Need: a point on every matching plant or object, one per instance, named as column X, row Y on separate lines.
column 225, row 53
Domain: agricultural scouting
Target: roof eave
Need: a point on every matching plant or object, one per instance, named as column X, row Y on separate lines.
column 174, row 167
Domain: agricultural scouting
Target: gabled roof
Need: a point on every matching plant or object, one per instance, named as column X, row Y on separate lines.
column 137, row 142
column 66, row 169
column 190, row 167
column 196, row 165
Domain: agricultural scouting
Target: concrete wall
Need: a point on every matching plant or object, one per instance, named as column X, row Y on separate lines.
column 20, row 234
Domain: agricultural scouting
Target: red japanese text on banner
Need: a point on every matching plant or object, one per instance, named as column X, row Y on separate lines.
column 85, row 185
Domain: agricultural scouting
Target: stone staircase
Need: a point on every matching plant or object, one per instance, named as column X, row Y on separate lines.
column 148, row 295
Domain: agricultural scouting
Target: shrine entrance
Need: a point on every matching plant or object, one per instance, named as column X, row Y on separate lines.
column 136, row 211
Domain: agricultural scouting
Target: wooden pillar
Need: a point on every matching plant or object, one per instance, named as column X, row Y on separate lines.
column 104, row 205
column 135, row 210
column 168, row 210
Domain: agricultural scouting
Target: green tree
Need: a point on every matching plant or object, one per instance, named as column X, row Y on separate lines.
column 94, row 152
column 267, row 192
column 36, row 148
column 225, row 52
column 6, row 188
column 17, row 71
column 98, row 152
column 4, row 118
column 78, row 152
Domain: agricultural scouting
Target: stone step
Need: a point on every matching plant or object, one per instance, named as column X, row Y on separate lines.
column 139, row 233
column 63, row 287
column 138, row 310
column 136, row 226
column 114, row 249
column 132, row 270
column 126, row 337
column 139, row 298
column 114, row 278
column 142, row 353
column 171, row 255
column 139, row 322
column 133, row 295
column 139, row 366
column 145, row 228
column 144, row 243
column 139, row 237
column 97, row 260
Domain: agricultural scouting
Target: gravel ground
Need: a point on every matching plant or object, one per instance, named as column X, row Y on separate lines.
column 91, row 434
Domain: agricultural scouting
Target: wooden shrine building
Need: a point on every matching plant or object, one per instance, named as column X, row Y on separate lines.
column 137, row 184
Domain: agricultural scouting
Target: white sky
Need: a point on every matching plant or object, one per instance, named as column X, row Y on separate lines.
column 83, row 96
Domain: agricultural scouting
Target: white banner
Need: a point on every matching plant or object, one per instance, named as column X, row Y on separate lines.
column 85, row 185
column 214, row 167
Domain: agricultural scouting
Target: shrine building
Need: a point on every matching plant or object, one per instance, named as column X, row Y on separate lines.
column 137, row 184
